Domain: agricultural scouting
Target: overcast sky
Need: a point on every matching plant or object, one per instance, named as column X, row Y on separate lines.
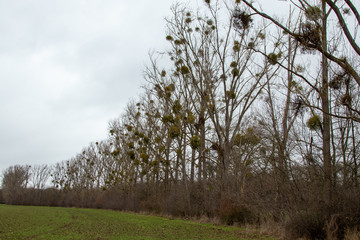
column 69, row 66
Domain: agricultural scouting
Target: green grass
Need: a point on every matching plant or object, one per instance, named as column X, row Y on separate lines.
column 27, row 222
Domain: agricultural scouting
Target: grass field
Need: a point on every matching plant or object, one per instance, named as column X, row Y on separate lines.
column 26, row 222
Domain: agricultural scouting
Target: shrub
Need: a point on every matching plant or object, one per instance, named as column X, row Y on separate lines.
column 2, row 201
column 339, row 224
column 308, row 225
column 237, row 214
column 231, row 213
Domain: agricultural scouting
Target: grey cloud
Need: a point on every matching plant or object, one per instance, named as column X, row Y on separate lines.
column 67, row 67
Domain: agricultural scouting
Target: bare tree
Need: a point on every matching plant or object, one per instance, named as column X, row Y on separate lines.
column 339, row 47
column 39, row 175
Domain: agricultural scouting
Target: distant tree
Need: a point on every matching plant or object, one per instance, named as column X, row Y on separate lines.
column 39, row 174
column 15, row 179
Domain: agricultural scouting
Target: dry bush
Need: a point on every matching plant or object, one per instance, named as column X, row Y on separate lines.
column 321, row 223
column 352, row 234
column 196, row 196
column 176, row 205
column 338, row 225
column 272, row 228
column 345, row 215
column 99, row 201
column 2, row 201
column 116, row 199
column 332, row 228
column 205, row 219
column 50, row 197
column 307, row 224
column 13, row 196
column 230, row 213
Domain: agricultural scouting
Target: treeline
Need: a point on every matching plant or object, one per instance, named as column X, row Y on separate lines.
column 243, row 118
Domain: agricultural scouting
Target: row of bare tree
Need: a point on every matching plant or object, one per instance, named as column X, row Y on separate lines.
column 243, row 117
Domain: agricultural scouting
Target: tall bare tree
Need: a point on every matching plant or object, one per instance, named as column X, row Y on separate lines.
column 39, row 175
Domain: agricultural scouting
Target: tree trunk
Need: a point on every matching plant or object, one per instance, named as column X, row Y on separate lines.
column 326, row 116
